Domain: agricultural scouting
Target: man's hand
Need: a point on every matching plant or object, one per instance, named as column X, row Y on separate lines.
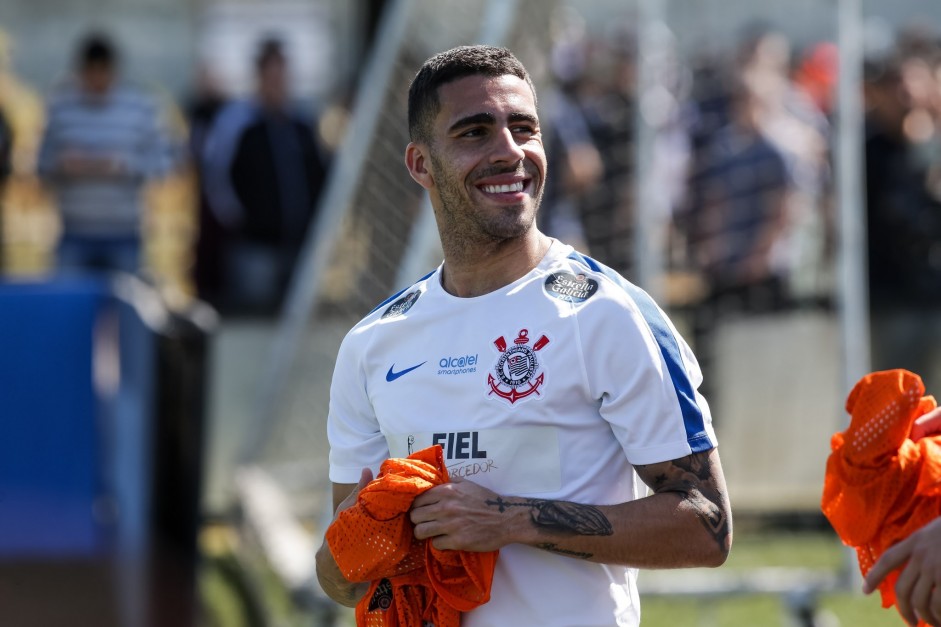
column 79, row 164
column 331, row 579
column 465, row 516
column 364, row 478
column 929, row 424
column 462, row 515
column 918, row 589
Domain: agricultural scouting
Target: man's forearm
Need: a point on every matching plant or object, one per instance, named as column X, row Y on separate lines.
column 666, row 530
column 334, row 584
column 686, row 522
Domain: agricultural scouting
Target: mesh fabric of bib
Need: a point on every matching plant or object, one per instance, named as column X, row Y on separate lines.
column 880, row 486
column 413, row 583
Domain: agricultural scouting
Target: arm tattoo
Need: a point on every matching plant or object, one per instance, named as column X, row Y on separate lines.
column 572, row 518
column 711, row 516
column 564, row 517
column 697, row 465
column 555, row 548
column 692, row 477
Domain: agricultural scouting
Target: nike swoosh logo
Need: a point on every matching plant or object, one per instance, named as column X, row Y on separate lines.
column 392, row 376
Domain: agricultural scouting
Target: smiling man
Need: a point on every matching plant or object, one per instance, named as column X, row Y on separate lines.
column 571, row 389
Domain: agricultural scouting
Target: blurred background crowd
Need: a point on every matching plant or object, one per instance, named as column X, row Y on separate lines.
column 208, row 186
column 195, row 145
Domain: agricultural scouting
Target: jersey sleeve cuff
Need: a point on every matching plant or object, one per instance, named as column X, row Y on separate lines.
column 667, row 452
column 345, row 474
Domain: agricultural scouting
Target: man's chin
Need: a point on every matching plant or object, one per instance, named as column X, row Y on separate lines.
column 512, row 229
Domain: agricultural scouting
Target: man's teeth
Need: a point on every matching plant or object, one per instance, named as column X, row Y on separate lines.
column 502, row 189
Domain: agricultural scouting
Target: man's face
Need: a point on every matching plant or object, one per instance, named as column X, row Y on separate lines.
column 273, row 83
column 486, row 160
column 97, row 78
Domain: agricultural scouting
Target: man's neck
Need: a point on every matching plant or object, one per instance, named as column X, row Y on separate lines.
column 488, row 268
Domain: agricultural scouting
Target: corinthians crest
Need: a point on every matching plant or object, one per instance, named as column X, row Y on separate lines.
column 517, row 369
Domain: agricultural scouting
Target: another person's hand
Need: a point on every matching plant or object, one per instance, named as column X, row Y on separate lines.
column 918, row 589
column 929, row 424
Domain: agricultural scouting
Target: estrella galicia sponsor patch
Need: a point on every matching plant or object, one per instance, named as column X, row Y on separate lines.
column 382, row 598
column 572, row 288
column 402, row 305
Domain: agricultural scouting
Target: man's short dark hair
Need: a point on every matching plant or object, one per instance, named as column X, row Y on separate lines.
column 271, row 49
column 97, row 49
column 451, row 65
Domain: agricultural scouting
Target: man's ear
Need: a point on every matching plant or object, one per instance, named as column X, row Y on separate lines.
column 417, row 162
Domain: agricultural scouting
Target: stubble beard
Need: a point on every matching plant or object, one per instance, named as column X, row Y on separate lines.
column 466, row 226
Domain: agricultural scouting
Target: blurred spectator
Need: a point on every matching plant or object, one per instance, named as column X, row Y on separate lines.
column 264, row 172
column 6, row 167
column 23, row 201
column 739, row 209
column 904, row 210
column 816, row 75
column 590, row 119
column 610, row 108
column 798, row 127
column 659, row 109
column 754, row 204
column 6, row 149
column 755, row 179
column 568, row 139
column 202, row 109
column 104, row 139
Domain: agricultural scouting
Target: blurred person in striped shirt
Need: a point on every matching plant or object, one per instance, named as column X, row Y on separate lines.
column 103, row 141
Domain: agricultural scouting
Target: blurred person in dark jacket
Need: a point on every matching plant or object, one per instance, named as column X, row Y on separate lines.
column 738, row 212
column 569, row 141
column 265, row 170
column 204, row 105
column 757, row 189
column 903, row 222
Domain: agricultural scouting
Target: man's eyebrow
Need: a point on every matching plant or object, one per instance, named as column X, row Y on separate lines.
column 470, row 120
column 489, row 118
column 524, row 117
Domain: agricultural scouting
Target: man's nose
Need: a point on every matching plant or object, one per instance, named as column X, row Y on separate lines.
column 507, row 149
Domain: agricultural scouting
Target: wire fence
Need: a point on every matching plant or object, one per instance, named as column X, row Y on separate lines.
column 690, row 148
column 717, row 188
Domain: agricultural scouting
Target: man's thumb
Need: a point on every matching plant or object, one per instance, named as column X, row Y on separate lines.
column 364, row 478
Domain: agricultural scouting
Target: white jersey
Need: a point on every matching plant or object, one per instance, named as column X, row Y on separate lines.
column 550, row 387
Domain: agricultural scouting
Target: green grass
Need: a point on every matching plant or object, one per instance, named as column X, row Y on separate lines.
column 791, row 549
column 817, row 550
column 844, row 610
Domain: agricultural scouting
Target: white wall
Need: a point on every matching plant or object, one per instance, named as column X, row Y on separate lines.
column 156, row 37
column 162, row 40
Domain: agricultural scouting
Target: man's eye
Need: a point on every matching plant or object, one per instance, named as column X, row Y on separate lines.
column 474, row 132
